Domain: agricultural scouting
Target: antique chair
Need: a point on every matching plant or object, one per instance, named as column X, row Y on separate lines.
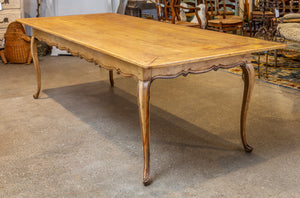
column 265, row 10
column 223, row 23
column 169, row 11
column 291, row 12
column 289, row 23
column 288, row 33
column 264, row 20
column 288, row 29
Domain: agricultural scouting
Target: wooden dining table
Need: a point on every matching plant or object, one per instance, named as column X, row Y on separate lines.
column 148, row 50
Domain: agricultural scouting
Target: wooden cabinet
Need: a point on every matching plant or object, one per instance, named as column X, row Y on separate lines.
column 11, row 10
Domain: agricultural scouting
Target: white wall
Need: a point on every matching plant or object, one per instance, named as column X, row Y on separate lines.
column 72, row 7
column 29, row 8
column 65, row 7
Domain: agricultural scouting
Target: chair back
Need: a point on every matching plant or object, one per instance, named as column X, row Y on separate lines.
column 271, row 5
column 286, row 7
column 290, row 12
column 193, row 3
column 200, row 12
column 294, row 6
column 211, row 7
column 169, row 11
column 227, row 7
column 164, row 10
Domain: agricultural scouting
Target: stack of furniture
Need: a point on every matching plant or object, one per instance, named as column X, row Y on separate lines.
column 11, row 10
column 285, row 28
column 288, row 27
column 266, row 17
column 264, row 20
column 288, row 30
column 264, row 14
column 169, row 11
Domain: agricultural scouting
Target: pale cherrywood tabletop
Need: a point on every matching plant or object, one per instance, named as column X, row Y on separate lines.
column 147, row 43
column 147, row 50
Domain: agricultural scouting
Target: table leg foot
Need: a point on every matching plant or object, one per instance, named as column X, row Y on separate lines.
column 144, row 111
column 36, row 66
column 111, row 78
column 36, row 95
column 147, row 181
column 249, row 78
column 248, row 148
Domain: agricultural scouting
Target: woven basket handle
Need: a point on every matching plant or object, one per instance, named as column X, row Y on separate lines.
column 26, row 38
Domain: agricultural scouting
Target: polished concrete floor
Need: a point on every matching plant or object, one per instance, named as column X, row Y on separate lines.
column 82, row 138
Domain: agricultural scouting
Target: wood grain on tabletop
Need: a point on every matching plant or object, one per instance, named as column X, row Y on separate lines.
column 146, row 42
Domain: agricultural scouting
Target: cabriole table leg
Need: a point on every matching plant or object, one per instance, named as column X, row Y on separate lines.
column 35, row 57
column 144, row 111
column 249, row 78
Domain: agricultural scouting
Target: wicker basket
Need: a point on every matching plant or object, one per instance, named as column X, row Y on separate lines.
column 16, row 48
column 17, row 44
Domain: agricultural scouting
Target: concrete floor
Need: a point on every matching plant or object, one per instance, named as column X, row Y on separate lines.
column 82, row 138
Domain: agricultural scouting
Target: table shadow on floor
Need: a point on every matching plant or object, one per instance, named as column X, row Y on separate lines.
column 175, row 142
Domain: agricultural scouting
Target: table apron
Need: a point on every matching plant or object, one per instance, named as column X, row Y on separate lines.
column 200, row 67
column 91, row 55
